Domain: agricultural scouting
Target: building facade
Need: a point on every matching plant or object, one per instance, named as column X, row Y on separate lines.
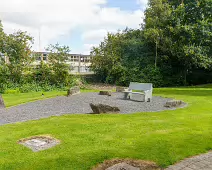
column 4, row 58
column 79, row 64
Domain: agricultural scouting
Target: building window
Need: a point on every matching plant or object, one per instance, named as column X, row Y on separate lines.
column 45, row 57
column 76, row 59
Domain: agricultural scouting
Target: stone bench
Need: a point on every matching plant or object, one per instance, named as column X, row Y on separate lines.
column 145, row 95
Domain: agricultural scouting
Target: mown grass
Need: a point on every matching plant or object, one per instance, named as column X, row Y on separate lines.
column 86, row 140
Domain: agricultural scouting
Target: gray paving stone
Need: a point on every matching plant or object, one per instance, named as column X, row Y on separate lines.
column 200, row 162
column 187, row 168
column 174, row 168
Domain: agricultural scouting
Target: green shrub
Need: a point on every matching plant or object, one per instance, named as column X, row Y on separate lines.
column 47, row 87
column 25, row 88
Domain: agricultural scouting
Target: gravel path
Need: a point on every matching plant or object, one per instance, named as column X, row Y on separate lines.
column 76, row 104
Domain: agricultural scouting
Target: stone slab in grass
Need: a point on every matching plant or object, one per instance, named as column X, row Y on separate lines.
column 121, row 166
column 127, row 164
column 39, row 143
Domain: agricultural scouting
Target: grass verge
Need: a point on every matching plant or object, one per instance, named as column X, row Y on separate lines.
column 86, row 140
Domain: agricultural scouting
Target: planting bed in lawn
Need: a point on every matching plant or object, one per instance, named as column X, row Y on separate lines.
column 87, row 140
column 20, row 98
column 77, row 104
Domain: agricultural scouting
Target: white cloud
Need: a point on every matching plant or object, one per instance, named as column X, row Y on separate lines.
column 87, row 48
column 60, row 17
column 95, row 35
column 142, row 2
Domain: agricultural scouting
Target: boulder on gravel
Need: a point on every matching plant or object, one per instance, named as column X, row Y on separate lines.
column 72, row 91
column 2, row 106
column 108, row 93
column 173, row 103
column 101, row 108
column 120, row 89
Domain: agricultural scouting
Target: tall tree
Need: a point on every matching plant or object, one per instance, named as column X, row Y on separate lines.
column 18, row 50
column 184, row 31
column 2, row 43
column 157, row 15
column 121, row 57
column 57, row 61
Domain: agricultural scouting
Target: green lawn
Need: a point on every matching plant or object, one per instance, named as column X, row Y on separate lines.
column 164, row 137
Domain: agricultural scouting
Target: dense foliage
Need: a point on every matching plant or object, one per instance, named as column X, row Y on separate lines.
column 173, row 47
column 19, row 71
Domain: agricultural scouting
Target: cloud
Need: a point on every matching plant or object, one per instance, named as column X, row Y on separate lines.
column 54, row 18
column 96, row 35
column 87, row 48
column 142, row 2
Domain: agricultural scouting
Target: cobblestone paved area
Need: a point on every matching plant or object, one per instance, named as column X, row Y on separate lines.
column 201, row 162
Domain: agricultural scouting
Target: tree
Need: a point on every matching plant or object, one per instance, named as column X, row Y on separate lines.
column 57, row 61
column 18, row 50
column 175, row 40
column 191, row 37
column 156, row 18
column 2, row 43
column 122, row 57
column 186, row 32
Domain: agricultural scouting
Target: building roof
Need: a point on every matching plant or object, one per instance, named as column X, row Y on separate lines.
column 68, row 54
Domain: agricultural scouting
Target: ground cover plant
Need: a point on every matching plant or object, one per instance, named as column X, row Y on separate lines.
column 86, row 140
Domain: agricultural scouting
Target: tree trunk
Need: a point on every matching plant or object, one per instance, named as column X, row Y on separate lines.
column 156, row 54
column 185, row 77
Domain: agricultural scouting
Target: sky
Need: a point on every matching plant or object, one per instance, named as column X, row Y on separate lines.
column 79, row 24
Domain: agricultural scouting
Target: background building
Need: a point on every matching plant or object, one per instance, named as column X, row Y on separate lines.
column 79, row 64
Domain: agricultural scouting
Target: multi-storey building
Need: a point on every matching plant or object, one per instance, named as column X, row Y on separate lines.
column 78, row 63
column 4, row 58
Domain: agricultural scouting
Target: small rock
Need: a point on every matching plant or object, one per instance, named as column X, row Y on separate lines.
column 73, row 91
column 2, row 106
column 120, row 89
column 100, row 108
column 108, row 93
column 173, row 103
column 122, row 166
